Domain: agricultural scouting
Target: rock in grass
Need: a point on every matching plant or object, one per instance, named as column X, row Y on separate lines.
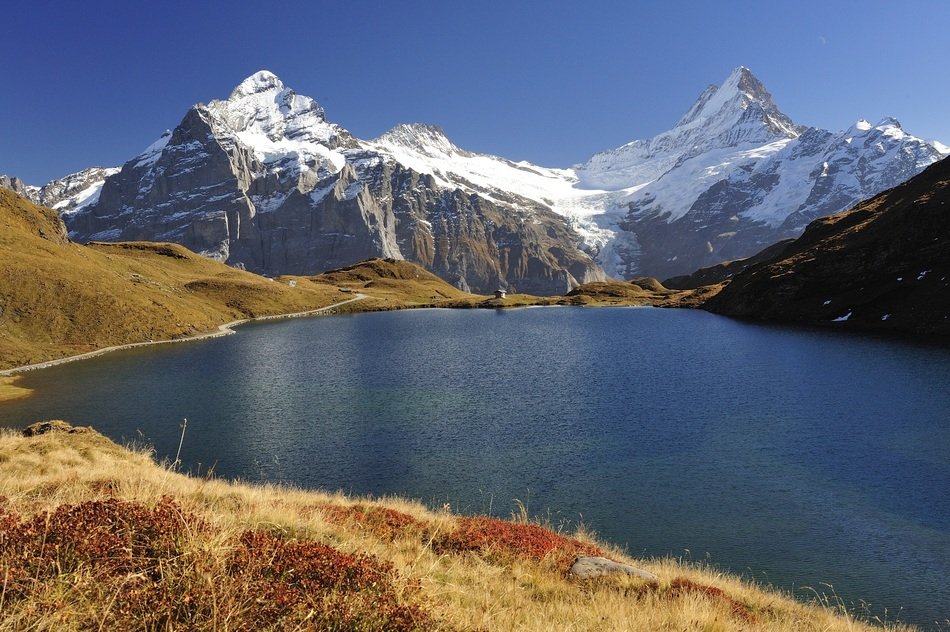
column 587, row 567
column 53, row 425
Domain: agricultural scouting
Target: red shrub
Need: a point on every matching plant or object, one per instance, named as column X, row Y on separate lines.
column 110, row 537
column 288, row 580
column 383, row 522
column 128, row 546
column 482, row 534
column 141, row 561
column 683, row 586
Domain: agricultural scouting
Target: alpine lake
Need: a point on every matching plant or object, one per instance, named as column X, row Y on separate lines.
column 814, row 461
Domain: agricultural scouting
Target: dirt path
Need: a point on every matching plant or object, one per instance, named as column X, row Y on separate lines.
column 222, row 330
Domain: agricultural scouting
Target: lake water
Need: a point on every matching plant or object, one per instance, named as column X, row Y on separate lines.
column 795, row 456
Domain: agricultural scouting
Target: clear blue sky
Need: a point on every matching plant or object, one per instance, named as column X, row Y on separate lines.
column 551, row 82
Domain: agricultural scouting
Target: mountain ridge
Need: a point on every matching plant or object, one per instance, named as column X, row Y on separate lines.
column 732, row 176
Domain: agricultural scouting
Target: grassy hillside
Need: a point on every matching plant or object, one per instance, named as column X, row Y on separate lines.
column 638, row 292
column 58, row 298
column 392, row 284
column 96, row 536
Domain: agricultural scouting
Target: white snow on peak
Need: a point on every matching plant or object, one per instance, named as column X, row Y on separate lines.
column 77, row 190
column 426, row 149
column 260, row 81
column 733, row 139
column 421, row 137
column 278, row 124
column 718, row 109
column 889, row 121
column 89, row 195
column 740, row 114
column 943, row 149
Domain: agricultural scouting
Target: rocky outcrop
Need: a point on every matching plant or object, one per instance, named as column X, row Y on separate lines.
column 16, row 185
column 725, row 270
column 67, row 194
column 264, row 182
column 590, row 567
column 54, row 425
column 884, row 265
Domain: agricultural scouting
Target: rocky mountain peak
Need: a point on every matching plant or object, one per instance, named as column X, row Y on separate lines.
column 426, row 139
column 260, row 81
column 263, row 180
column 268, row 115
column 741, row 100
column 743, row 79
column 889, row 121
column 739, row 113
column 16, row 185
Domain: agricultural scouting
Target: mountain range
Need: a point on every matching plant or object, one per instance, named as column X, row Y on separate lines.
column 263, row 181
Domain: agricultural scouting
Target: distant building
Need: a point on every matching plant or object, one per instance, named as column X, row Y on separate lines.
column 499, row 294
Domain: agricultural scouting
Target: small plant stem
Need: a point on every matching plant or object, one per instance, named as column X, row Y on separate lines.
column 180, row 442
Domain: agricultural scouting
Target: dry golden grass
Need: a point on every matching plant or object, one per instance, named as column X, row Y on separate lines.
column 393, row 284
column 637, row 293
column 61, row 299
column 9, row 390
column 456, row 580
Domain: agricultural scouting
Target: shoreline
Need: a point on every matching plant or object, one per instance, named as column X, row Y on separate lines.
column 225, row 329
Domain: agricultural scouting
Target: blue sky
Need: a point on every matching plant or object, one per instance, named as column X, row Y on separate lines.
column 551, row 82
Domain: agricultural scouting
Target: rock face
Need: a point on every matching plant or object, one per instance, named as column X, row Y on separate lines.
column 16, row 185
column 263, row 181
column 884, row 265
column 75, row 191
column 726, row 270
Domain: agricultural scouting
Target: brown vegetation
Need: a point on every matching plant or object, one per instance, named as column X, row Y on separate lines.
column 95, row 536
column 393, row 284
column 505, row 540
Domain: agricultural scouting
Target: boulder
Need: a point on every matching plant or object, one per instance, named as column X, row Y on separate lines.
column 587, row 567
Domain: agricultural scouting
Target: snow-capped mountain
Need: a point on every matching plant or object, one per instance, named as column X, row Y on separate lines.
column 17, row 185
column 741, row 112
column 735, row 175
column 263, row 180
column 76, row 191
column 66, row 195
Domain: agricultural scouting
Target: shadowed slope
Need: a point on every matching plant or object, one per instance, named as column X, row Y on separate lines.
column 883, row 265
